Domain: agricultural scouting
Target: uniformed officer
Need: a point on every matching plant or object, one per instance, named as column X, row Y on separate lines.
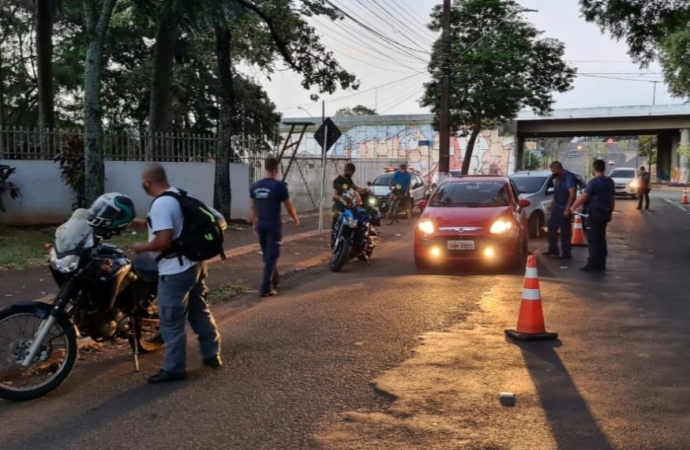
column 565, row 191
column 267, row 197
column 599, row 198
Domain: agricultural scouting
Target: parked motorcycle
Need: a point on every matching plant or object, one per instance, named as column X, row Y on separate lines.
column 354, row 233
column 103, row 295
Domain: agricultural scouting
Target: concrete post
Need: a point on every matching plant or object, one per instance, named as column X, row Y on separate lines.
column 684, row 160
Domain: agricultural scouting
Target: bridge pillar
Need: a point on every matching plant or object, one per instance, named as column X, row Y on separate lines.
column 664, row 157
column 684, row 150
column 519, row 153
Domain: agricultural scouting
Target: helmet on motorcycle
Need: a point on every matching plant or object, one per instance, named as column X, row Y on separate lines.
column 112, row 212
column 352, row 198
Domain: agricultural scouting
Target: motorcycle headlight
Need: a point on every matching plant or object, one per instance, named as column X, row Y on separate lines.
column 372, row 201
column 426, row 227
column 66, row 264
column 500, row 226
column 352, row 223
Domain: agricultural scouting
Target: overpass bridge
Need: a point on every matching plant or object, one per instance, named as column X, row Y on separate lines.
column 670, row 123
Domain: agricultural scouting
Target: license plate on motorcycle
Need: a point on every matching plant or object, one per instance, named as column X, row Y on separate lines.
column 460, row 245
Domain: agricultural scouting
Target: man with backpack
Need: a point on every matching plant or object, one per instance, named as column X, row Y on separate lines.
column 267, row 197
column 183, row 233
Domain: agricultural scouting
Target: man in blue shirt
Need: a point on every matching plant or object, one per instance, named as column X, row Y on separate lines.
column 565, row 191
column 599, row 198
column 404, row 178
column 267, row 196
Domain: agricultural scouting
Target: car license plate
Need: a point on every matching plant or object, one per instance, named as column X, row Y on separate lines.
column 460, row 245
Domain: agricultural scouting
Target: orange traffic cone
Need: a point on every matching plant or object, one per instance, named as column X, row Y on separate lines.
column 530, row 325
column 578, row 239
column 684, row 201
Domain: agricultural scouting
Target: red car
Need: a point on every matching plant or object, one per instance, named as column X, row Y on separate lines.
column 474, row 218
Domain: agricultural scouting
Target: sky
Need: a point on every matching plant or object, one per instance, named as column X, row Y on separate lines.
column 391, row 82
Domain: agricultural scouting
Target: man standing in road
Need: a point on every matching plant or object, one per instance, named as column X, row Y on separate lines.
column 565, row 191
column 182, row 283
column 341, row 184
column 643, row 189
column 599, row 198
column 402, row 177
column 267, row 197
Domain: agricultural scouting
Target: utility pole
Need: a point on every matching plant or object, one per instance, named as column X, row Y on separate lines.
column 654, row 96
column 444, row 119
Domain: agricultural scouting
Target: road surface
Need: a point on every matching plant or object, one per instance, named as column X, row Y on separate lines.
column 386, row 357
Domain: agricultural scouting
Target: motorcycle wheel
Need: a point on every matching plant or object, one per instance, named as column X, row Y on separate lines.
column 62, row 332
column 340, row 255
column 393, row 213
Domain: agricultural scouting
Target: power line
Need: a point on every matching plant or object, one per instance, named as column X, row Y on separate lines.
column 387, row 22
column 415, row 93
column 618, row 78
column 402, row 20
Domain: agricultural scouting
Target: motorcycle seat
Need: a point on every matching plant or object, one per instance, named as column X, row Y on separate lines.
column 146, row 268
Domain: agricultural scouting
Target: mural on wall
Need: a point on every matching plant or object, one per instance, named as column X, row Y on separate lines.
column 492, row 153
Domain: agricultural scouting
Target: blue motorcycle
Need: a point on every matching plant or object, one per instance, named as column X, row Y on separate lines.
column 354, row 236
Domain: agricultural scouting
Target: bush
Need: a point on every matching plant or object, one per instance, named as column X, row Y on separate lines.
column 72, row 168
column 7, row 186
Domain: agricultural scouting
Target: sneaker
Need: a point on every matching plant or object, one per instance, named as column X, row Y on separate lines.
column 214, row 362
column 166, row 377
column 270, row 293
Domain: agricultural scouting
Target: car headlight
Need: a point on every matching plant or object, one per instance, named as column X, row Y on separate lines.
column 633, row 184
column 66, row 264
column 426, row 227
column 500, row 226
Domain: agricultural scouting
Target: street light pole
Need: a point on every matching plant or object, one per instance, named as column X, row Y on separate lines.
column 444, row 119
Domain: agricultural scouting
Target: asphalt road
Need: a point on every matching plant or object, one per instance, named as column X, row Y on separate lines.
column 296, row 362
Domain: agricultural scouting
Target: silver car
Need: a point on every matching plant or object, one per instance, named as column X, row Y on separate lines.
column 536, row 187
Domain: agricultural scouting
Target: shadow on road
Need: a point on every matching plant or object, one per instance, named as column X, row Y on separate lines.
column 567, row 412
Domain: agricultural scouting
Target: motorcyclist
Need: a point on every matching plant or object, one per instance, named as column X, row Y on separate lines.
column 342, row 184
column 403, row 178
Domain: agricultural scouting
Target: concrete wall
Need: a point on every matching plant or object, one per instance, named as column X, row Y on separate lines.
column 46, row 200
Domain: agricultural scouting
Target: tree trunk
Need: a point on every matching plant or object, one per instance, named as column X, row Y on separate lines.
column 96, row 28
column 161, row 81
column 222, row 194
column 467, row 158
column 45, row 18
column 2, row 108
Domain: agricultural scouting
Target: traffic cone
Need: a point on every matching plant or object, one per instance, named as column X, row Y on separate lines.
column 530, row 325
column 578, row 239
column 684, row 201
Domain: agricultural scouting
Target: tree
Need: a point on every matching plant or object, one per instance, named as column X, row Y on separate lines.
column 494, row 75
column 359, row 110
column 651, row 29
column 45, row 20
column 532, row 161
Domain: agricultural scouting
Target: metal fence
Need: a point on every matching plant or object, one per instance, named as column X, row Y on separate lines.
column 305, row 175
column 27, row 144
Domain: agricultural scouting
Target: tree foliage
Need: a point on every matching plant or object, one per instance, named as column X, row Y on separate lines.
column 651, row 29
column 494, row 75
column 359, row 110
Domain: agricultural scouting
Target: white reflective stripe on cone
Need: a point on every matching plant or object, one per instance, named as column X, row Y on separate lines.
column 531, row 272
column 531, row 294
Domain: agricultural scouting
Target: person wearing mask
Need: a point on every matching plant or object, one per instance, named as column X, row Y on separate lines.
column 643, row 187
column 599, row 198
column 565, row 192
column 403, row 177
column 267, row 196
column 341, row 184
column 182, row 283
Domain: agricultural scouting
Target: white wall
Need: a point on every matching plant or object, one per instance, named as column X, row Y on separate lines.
column 46, row 200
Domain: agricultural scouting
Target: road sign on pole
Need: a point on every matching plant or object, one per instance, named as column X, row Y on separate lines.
column 327, row 134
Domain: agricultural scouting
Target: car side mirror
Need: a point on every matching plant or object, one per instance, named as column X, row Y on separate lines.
column 369, row 183
column 524, row 203
column 550, row 191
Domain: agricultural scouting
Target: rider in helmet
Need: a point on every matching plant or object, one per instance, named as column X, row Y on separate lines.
column 342, row 184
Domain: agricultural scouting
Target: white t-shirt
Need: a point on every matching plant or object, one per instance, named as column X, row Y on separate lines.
column 165, row 214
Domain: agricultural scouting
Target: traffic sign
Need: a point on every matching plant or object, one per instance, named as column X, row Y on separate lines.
column 334, row 134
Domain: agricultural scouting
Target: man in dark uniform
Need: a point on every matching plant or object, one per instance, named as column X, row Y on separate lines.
column 643, row 189
column 599, row 198
column 565, row 191
column 341, row 184
column 267, row 196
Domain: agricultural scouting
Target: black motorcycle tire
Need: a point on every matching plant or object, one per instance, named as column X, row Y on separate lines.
column 339, row 260
column 64, row 372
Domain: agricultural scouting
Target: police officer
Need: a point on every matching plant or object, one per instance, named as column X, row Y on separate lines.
column 643, row 181
column 341, row 184
column 565, row 191
column 267, row 196
column 599, row 198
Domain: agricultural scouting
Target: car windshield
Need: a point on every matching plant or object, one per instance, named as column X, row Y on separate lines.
column 383, row 180
column 471, row 194
column 622, row 173
column 529, row 185
column 75, row 234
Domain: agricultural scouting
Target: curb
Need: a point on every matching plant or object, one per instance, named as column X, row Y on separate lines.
column 239, row 251
column 668, row 188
